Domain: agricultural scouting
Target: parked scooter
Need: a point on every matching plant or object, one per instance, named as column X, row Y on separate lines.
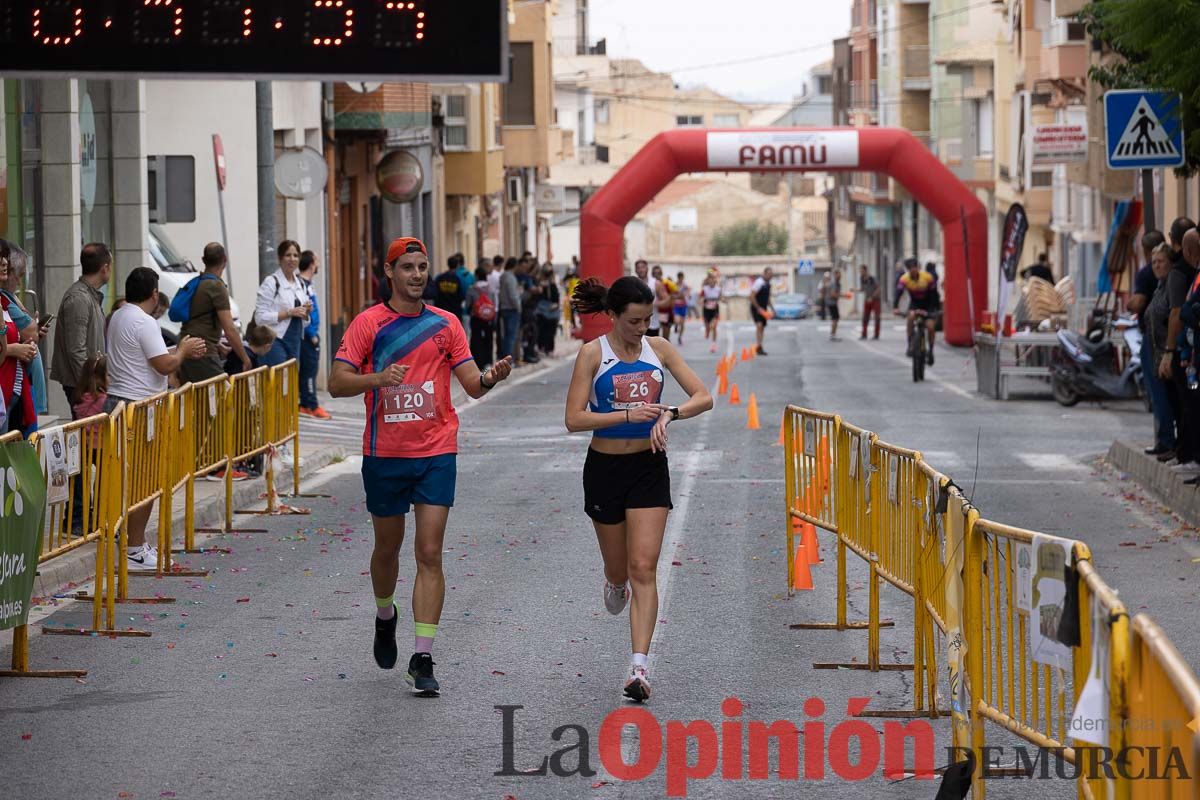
column 1083, row 369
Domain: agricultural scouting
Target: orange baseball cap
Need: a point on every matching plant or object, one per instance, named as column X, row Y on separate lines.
column 404, row 245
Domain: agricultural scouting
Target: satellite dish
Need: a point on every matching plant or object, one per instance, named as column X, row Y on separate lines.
column 364, row 88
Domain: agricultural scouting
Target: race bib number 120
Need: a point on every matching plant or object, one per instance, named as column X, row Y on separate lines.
column 409, row 403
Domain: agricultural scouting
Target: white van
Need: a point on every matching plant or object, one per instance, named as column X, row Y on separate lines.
column 174, row 272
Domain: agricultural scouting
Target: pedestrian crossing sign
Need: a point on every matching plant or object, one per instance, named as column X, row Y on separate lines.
column 1143, row 129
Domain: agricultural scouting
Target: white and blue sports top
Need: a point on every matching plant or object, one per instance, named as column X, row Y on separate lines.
column 619, row 386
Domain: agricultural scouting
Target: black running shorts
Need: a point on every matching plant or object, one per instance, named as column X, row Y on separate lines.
column 612, row 484
column 711, row 313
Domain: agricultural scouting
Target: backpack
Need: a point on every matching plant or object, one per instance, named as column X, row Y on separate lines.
column 181, row 304
column 484, row 308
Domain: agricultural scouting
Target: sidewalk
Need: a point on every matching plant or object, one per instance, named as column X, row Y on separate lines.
column 78, row 567
column 1158, row 479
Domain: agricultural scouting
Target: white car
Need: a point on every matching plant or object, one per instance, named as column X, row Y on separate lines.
column 174, row 272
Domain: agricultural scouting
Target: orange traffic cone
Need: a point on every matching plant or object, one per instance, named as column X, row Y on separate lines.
column 735, row 399
column 752, row 414
column 811, row 544
column 801, row 573
column 723, row 383
column 806, row 535
column 782, row 430
column 745, row 354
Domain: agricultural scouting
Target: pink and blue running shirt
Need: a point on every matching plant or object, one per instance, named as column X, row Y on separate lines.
column 416, row 419
column 619, row 386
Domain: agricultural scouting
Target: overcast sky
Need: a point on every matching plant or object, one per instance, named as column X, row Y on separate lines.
column 669, row 34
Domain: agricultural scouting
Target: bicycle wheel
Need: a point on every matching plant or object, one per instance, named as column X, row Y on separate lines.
column 918, row 356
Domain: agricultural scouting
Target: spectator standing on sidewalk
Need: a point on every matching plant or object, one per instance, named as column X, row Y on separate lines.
column 510, row 309
column 1170, row 367
column 1145, row 288
column 79, row 329
column 18, row 268
column 548, row 310
column 209, row 316
column 869, row 286
column 138, row 366
column 283, row 303
column 14, row 367
column 310, row 345
column 450, row 289
column 482, row 310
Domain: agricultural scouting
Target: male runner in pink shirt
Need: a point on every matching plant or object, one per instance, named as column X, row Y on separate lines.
column 399, row 356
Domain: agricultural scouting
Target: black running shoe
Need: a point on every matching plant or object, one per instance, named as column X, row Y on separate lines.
column 420, row 675
column 385, row 640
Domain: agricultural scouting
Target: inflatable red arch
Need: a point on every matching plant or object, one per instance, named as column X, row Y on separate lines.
column 892, row 151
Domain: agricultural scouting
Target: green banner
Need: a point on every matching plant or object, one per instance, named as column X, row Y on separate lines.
column 22, row 508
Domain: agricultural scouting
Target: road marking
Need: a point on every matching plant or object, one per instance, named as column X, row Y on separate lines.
column 1055, row 462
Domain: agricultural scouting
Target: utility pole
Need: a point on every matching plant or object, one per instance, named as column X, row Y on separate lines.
column 265, row 121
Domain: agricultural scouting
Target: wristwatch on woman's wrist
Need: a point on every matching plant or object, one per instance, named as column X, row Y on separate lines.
column 674, row 413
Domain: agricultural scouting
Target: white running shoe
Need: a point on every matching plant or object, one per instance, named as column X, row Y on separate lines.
column 144, row 559
column 1190, row 466
column 637, row 687
column 615, row 597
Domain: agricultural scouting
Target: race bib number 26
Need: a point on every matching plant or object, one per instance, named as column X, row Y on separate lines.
column 636, row 388
column 409, row 403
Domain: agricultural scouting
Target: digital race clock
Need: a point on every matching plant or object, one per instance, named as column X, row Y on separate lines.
column 439, row 40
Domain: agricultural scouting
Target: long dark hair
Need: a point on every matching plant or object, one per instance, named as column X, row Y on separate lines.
column 590, row 296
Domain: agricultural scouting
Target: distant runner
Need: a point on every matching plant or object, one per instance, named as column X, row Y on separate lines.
column 710, row 294
column 399, row 354
column 761, row 308
column 616, row 392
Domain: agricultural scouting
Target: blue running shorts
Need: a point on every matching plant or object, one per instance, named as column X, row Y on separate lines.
column 394, row 485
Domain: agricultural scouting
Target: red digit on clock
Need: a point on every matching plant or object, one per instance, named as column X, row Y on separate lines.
column 158, row 21
column 402, row 23
column 69, row 21
column 341, row 8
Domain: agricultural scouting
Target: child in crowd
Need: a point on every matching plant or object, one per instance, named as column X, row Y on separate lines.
column 265, row 349
column 92, row 390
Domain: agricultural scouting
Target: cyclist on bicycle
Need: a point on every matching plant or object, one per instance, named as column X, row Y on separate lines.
column 921, row 288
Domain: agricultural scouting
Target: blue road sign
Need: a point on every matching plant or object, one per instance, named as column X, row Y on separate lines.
column 805, row 267
column 1143, row 129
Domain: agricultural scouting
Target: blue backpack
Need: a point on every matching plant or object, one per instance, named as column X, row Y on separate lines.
column 181, row 304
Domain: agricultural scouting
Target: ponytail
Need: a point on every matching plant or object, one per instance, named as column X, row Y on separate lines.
column 590, row 296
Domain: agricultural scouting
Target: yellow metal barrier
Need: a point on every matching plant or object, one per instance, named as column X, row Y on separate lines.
column 1164, row 711
column 146, row 451
column 975, row 602
column 83, row 443
column 200, row 448
column 285, row 416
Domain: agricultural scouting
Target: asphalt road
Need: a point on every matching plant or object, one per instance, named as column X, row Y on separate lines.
column 259, row 682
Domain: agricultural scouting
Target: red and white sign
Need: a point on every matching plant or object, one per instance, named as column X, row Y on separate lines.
column 1060, row 143
column 785, row 150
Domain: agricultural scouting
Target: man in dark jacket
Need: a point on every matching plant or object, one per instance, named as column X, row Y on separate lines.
column 79, row 329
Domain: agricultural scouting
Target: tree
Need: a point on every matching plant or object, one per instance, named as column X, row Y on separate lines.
column 1156, row 40
column 750, row 238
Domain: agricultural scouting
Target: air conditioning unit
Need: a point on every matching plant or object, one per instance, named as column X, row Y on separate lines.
column 516, row 190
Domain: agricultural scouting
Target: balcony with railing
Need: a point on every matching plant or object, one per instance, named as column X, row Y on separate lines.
column 864, row 95
column 869, row 187
column 915, row 66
